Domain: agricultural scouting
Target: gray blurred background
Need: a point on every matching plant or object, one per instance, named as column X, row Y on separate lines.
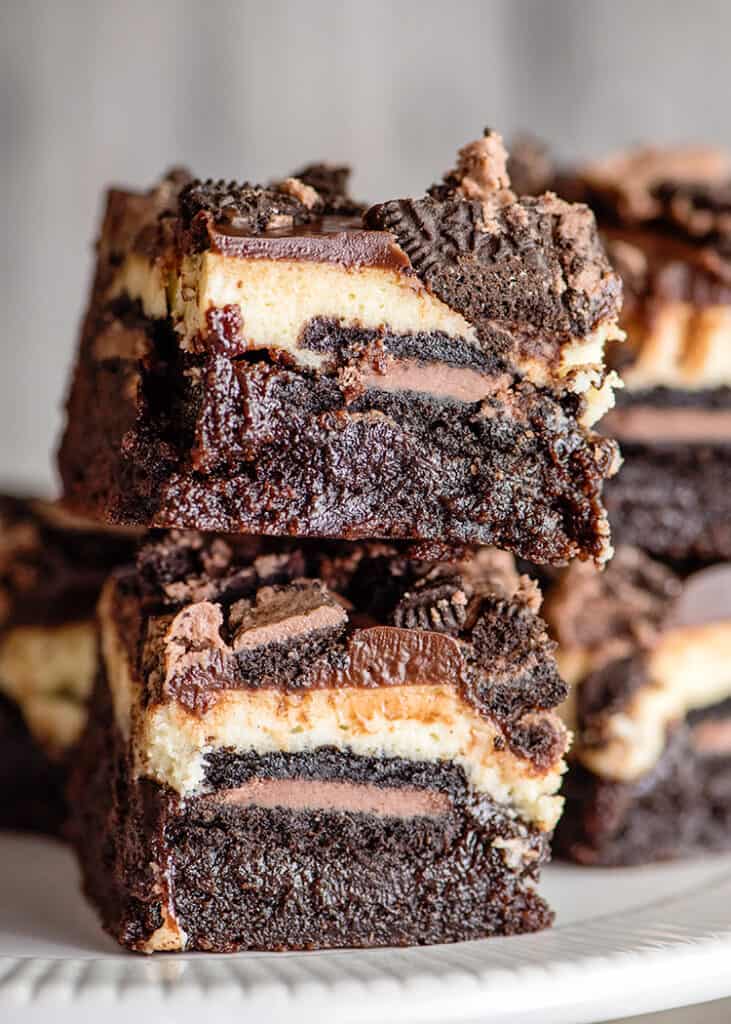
column 94, row 92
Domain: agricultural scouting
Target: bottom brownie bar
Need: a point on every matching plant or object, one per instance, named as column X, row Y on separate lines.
column 316, row 748
column 650, row 772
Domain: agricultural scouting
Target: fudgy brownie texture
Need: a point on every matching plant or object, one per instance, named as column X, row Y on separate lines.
column 674, row 500
column 682, row 808
column 210, row 440
column 473, row 428
column 275, row 878
column 32, row 785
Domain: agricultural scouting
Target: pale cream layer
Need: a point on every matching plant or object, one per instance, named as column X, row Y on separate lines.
column 49, row 671
column 278, row 299
column 690, row 668
column 683, row 346
column 416, row 722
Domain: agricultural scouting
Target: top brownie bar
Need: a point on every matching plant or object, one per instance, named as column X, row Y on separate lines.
column 271, row 360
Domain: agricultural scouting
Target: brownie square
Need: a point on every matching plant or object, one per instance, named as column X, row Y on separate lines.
column 317, row 745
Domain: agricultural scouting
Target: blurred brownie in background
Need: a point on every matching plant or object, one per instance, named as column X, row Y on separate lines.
column 52, row 567
column 647, row 653
column 647, row 645
column 665, row 216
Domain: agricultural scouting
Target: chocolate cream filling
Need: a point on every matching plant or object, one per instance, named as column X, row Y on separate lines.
column 712, row 738
column 667, row 425
column 330, row 795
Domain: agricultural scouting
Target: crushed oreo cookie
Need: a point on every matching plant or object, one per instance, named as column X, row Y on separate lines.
column 436, row 602
column 472, row 265
column 330, row 181
column 243, row 207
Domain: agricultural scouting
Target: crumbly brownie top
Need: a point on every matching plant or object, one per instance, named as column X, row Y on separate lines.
column 702, row 211
column 301, row 613
column 630, row 606
column 317, row 191
column 471, row 239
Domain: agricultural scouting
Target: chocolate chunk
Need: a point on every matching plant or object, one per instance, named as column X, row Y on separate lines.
column 243, row 207
column 330, row 181
column 284, row 615
column 387, row 656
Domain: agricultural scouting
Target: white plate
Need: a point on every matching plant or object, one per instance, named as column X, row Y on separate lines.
column 625, row 942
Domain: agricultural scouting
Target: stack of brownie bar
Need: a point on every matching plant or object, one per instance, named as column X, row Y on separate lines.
column 324, row 716
column 649, row 642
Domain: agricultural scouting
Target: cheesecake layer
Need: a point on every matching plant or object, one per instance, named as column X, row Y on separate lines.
column 253, row 362
column 49, row 672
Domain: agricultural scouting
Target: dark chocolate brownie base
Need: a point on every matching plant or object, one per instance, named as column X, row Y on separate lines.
column 32, row 786
column 248, row 445
column 674, row 501
column 274, row 878
column 681, row 809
